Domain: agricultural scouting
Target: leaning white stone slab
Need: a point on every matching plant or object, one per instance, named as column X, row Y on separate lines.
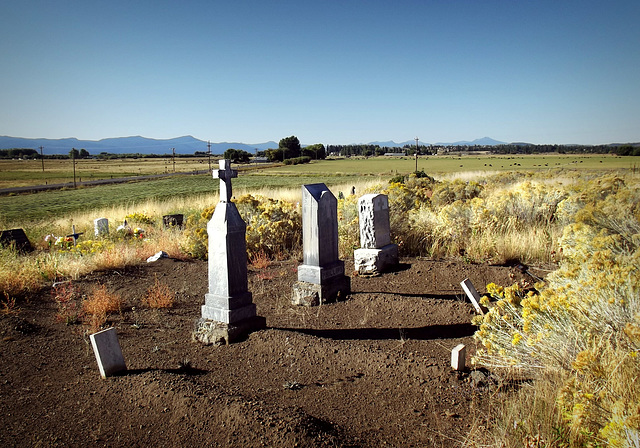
column 458, row 355
column 473, row 295
column 108, row 353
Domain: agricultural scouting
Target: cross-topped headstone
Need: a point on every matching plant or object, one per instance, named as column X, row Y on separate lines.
column 75, row 235
column 228, row 311
column 225, row 174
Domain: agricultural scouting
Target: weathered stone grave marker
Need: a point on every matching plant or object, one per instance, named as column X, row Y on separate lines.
column 321, row 276
column 229, row 312
column 473, row 295
column 16, row 238
column 169, row 221
column 108, row 352
column 376, row 253
column 458, row 356
column 101, row 226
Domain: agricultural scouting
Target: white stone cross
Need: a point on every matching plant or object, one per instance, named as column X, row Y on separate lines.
column 225, row 174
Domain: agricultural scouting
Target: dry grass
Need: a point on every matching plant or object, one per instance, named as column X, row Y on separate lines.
column 159, row 295
column 98, row 305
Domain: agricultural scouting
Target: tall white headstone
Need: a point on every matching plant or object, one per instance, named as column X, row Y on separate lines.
column 321, row 276
column 228, row 310
column 376, row 253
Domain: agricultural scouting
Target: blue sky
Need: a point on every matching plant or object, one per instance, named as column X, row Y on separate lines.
column 333, row 72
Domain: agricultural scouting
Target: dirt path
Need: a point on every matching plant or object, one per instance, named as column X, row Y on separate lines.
column 370, row 371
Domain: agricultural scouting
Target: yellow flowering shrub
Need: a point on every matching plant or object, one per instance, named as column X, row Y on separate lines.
column 274, row 228
column 584, row 325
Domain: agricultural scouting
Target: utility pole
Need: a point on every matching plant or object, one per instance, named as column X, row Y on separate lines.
column 174, row 159
column 73, row 159
column 209, row 152
column 42, row 158
column 417, row 151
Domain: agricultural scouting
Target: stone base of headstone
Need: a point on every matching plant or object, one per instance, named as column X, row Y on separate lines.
column 228, row 310
column 375, row 261
column 313, row 294
column 212, row 332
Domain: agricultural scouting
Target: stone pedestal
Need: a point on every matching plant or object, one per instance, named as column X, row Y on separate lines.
column 375, row 261
column 212, row 332
column 313, row 294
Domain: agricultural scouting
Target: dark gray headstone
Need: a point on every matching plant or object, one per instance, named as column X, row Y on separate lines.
column 16, row 238
column 108, row 352
column 169, row 221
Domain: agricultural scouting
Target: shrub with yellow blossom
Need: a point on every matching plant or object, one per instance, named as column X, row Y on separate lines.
column 584, row 325
column 274, row 228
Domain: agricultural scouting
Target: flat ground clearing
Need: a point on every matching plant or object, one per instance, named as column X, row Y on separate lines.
column 16, row 173
column 371, row 371
column 453, row 164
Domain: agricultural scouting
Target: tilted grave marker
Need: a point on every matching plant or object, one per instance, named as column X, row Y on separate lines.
column 321, row 276
column 376, row 253
column 228, row 312
column 473, row 295
column 108, row 352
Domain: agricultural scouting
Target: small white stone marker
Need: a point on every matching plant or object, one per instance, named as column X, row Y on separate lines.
column 458, row 355
column 108, row 353
column 101, row 226
column 473, row 295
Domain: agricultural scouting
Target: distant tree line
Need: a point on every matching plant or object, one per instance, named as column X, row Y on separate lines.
column 289, row 148
column 621, row 150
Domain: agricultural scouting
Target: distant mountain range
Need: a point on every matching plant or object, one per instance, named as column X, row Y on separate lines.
column 484, row 141
column 129, row 145
column 182, row 145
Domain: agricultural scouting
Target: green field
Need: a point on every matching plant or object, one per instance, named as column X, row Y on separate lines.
column 449, row 164
column 45, row 205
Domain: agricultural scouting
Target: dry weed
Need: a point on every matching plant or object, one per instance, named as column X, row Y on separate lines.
column 260, row 260
column 159, row 295
column 9, row 307
column 67, row 302
column 96, row 307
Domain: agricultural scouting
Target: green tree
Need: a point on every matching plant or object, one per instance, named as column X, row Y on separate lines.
column 84, row 154
column 316, row 151
column 290, row 147
column 237, row 155
column 74, row 154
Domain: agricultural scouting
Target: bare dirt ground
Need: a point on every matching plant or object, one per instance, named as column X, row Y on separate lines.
column 373, row 370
